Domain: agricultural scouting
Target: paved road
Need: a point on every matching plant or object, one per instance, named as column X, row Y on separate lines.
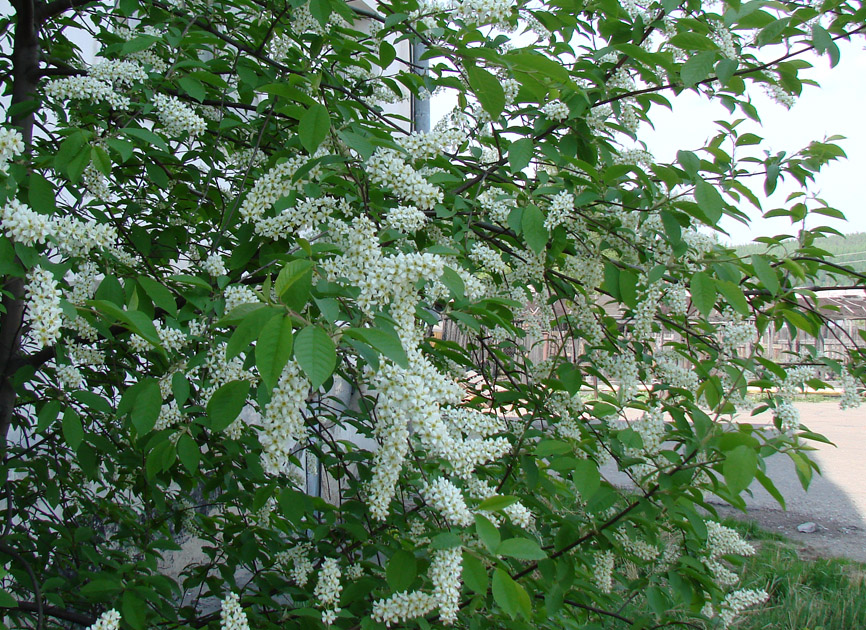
column 835, row 501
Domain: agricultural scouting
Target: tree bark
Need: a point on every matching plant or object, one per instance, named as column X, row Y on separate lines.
column 25, row 76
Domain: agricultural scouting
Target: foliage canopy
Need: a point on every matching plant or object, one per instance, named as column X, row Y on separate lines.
column 228, row 267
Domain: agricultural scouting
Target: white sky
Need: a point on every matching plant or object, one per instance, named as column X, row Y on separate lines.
column 836, row 108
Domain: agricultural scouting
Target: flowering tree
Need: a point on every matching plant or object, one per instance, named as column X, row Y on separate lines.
column 228, row 269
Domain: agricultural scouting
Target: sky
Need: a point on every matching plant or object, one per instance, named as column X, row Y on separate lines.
column 834, row 108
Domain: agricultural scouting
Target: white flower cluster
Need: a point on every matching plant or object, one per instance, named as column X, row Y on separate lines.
column 169, row 416
column 269, row 188
column 11, row 144
column 722, row 36
column 602, row 574
column 496, row 205
column 401, row 606
column 645, row 311
column 43, row 311
column 177, row 117
column 299, row 557
column 283, row 420
column 232, row 616
column 669, row 371
column 735, row 332
column 421, row 145
column 305, row 215
column 445, row 574
column 787, row 415
column 778, row 94
column 447, row 499
column 636, row 157
column 71, row 236
column 95, row 182
column 677, row 297
column 723, row 541
column 517, row 512
column 86, row 87
column 511, row 88
column 109, row 620
column 737, row 601
column 118, row 72
column 555, row 110
column 488, row 259
column 387, row 168
column 328, row 590
column 561, row 210
column 851, row 396
column 406, row 219
column 214, row 265
column 238, row 294
column 484, row 12
column 69, row 377
column 623, row 368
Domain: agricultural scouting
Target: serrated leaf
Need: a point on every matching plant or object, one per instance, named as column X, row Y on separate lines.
column 452, row 280
column 294, row 283
column 510, row 595
column 496, row 503
column 313, row 127
column 133, row 610
column 487, row 89
column 703, row 291
column 249, row 329
column 40, row 194
column 160, row 295
column 766, row 274
column 487, row 532
column 273, row 349
column 697, row 68
column 586, row 478
column 47, row 415
column 146, row 406
column 188, row 452
column 520, row 548
column 402, row 570
column 739, row 468
column 474, row 574
column 520, row 154
column 733, row 294
column 710, row 201
column 385, row 342
column 316, row 354
column 532, row 225
column 7, row 601
column 73, row 431
column 227, row 403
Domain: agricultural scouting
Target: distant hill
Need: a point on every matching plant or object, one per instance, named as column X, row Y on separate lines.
column 848, row 250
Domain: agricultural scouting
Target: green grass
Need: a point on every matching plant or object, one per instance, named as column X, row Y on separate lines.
column 819, row 594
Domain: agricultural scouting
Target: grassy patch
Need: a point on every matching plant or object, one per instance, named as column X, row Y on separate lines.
column 820, row 594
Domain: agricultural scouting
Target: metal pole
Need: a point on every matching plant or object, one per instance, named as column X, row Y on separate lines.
column 420, row 107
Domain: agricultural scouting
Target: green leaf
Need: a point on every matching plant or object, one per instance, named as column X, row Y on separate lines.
column 313, row 127
column 294, row 283
column 520, row 153
column 387, row 54
column 534, row 63
column 384, row 341
column 733, row 294
column 316, row 354
column 161, row 296
column 496, row 503
column 249, row 329
column 703, row 291
column 402, row 570
column 101, row 588
column 586, row 478
column 454, row 282
column 474, row 574
column 133, row 610
column 697, row 68
column 487, row 88
column 146, row 406
column 7, row 601
column 533, row 228
column 146, row 136
column 520, row 548
column 739, row 468
column 487, row 532
column 40, row 194
column 274, row 349
column 766, row 274
column 188, row 452
column 227, row 403
column 510, row 595
column 770, row 487
column 692, row 41
column 47, row 415
column 710, row 201
column 193, row 87
column 73, row 431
